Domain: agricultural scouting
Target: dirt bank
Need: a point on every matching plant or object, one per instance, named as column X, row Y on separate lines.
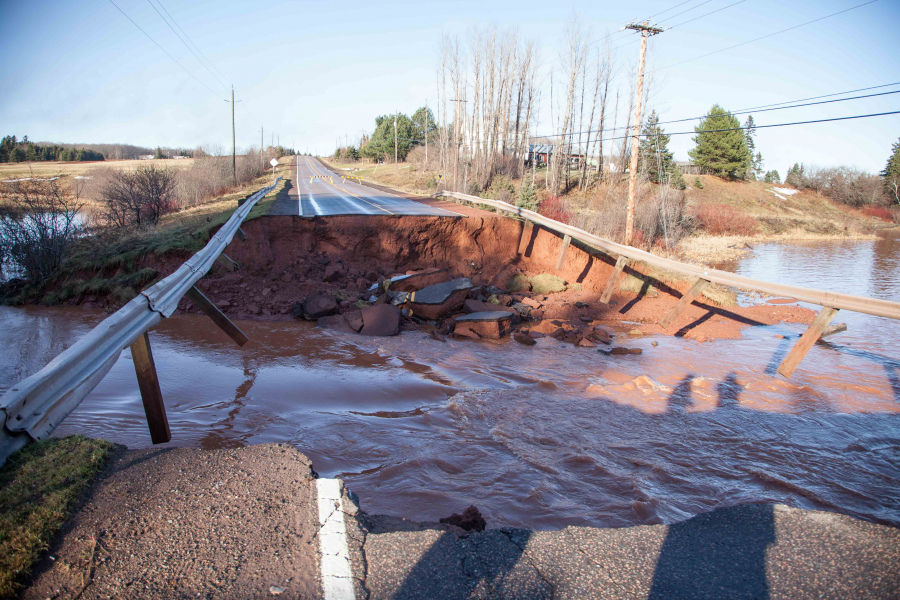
column 287, row 258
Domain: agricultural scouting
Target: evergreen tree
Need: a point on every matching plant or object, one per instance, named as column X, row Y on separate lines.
column 655, row 158
column 721, row 145
column 796, row 177
column 423, row 124
column 676, row 177
column 752, row 155
column 891, row 174
column 381, row 144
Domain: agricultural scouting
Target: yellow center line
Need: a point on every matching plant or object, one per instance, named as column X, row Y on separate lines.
column 358, row 196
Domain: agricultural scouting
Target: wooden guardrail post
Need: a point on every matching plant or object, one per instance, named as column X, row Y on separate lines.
column 613, row 282
column 809, row 337
column 240, row 234
column 567, row 239
column 527, row 229
column 683, row 302
column 217, row 316
column 227, row 263
column 151, row 395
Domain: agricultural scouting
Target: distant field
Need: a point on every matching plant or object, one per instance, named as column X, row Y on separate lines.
column 51, row 169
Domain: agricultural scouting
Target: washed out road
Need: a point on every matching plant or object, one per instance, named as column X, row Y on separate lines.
column 318, row 191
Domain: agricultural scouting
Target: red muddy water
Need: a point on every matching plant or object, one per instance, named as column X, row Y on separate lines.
column 538, row 437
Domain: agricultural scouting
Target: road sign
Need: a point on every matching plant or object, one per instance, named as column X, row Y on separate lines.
column 273, row 162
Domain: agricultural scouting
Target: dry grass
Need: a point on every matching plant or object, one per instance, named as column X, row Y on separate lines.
column 39, row 486
column 54, row 168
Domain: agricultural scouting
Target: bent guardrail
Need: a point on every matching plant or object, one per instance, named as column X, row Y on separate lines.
column 35, row 406
column 831, row 301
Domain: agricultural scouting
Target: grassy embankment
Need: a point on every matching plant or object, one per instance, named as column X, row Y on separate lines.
column 763, row 216
column 109, row 265
column 39, row 487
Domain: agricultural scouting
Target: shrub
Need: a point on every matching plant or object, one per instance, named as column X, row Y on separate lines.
column 41, row 226
column 553, row 208
column 878, row 212
column 134, row 198
column 502, row 189
column 698, row 184
column 527, row 197
column 721, row 219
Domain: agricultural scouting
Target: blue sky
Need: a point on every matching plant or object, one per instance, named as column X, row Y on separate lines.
column 313, row 72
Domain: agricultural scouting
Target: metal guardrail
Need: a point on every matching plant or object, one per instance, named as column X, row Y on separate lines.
column 831, row 301
column 35, row 406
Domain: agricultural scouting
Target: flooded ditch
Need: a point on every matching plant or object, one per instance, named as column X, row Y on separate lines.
column 539, row 437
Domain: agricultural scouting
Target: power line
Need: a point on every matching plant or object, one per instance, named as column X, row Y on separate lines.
column 192, row 42
column 704, row 15
column 764, row 108
column 765, row 36
column 163, row 49
column 223, row 84
column 668, row 9
column 688, row 10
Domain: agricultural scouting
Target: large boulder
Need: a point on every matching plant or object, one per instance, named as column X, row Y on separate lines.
column 436, row 301
column 315, row 307
column 381, row 320
column 336, row 322
column 413, row 282
column 491, row 325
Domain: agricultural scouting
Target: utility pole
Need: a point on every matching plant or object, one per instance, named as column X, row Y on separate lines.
column 646, row 31
column 395, row 139
column 261, row 149
column 426, row 134
column 233, row 142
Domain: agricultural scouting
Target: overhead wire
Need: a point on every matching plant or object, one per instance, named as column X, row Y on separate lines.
column 191, row 50
column 703, row 15
column 840, row 12
column 192, row 42
column 200, row 81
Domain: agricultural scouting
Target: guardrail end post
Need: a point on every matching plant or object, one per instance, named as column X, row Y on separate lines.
column 217, row 316
column 241, row 235
column 567, row 239
column 613, row 284
column 809, row 337
column 151, row 395
column 683, row 303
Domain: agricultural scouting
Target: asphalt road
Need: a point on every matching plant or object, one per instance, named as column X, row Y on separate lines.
column 318, row 191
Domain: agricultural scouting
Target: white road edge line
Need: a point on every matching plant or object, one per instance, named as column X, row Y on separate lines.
column 337, row 574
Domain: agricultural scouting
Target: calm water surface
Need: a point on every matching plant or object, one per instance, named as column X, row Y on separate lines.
column 539, row 437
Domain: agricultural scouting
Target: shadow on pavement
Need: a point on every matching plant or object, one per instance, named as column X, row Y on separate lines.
column 716, row 555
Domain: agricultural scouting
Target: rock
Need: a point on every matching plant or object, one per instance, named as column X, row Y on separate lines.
column 333, row 272
column 547, row 284
column 253, row 309
column 469, row 520
column 535, row 335
column 586, row 343
column 598, row 334
column 537, row 314
column 223, row 303
column 297, row 310
column 585, row 319
column 381, row 320
column 521, row 308
column 489, row 324
column 318, row 305
column 618, row 350
column 635, row 333
column 336, row 322
column 466, row 332
column 267, row 291
column 362, row 285
column 654, row 343
column 473, row 306
column 531, row 302
column 581, row 305
column 435, row 335
column 505, row 299
column 276, row 590
column 345, row 304
column 418, row 280
column 354, row 320
column 435, row 301
column 524, row 338
column 519, row 283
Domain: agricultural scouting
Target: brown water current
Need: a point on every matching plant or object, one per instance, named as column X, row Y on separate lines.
column 538, row 437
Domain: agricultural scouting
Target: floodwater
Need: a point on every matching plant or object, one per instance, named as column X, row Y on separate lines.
column 539, row 437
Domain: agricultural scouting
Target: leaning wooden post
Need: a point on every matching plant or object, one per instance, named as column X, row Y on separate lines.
column 567, row 239
column 683, row 303
column 809, row 337
column 527, row 229
column 151, row 395
column 613, row 282
column 241, row 235
column 217, row 316
column 226, row 262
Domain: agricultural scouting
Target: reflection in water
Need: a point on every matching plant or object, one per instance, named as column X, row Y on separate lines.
column 538, row 437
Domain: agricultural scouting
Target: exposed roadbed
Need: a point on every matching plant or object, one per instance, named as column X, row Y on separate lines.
column 242, row 523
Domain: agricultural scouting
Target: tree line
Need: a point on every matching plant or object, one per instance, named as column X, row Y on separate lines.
column 14, row 150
